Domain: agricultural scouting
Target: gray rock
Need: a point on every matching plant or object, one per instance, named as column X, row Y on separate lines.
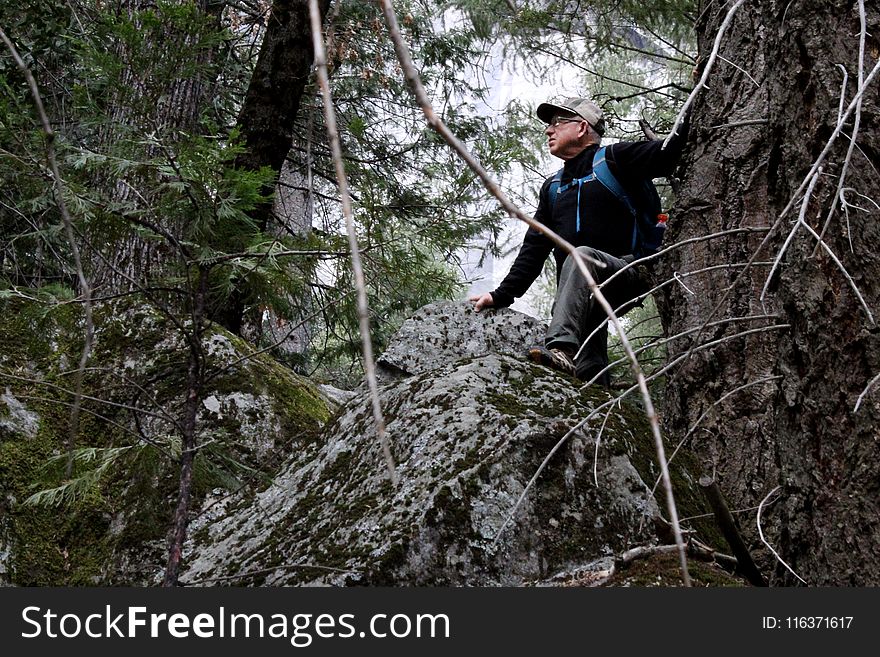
column 15, row 418
column 335, row 397
column 253, row 413
column 466, row 438
column 447, row 331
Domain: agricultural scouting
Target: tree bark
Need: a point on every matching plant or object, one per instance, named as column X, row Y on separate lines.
column 195, row 374
column 267, row 117
column 800, row 432
column 276, row 88
column 130, row 261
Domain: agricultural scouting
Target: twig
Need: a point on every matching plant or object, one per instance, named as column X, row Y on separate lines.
column 700, row 347
column 842, row 91
column 820, row 242
column 647, row 259
column 816, row 165
column 253, row 354
column 678, row 280
column 687, row 354
column 865, row 392
column 846, row 275
column 797, row 224
column 435, row 122
column 855, row 131
column 103, row 418
column 678, row 245
column 709, row 515
column 645, row 295
column 357, row 267
column 736, row 124
column 764, row 541
column 706, row 70
column 58, row 190
column 708, row 410
column 740, row 69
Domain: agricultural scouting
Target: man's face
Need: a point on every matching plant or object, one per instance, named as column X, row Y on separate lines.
column 565, row 135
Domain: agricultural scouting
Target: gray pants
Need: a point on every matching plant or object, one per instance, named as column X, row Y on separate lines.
column 576, row 315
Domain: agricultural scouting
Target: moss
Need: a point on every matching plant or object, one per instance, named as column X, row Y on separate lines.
column 138, row 493
column 50, row 547
column 637, row 442
column 665, row 570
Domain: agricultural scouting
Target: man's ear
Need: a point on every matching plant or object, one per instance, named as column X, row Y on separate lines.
column 584, row 132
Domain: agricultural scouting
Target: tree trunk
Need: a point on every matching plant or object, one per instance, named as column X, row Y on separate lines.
column 267, row 117
column 195, row 381
column 131, row 261
column 757, row 130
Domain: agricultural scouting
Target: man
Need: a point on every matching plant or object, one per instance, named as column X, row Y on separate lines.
column 595, row 220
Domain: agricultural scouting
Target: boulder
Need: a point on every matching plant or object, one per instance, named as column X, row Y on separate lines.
column 468, row 436
column 107, row 524
column 444, row 332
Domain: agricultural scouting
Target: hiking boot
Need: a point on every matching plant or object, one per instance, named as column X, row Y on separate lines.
column 553, row 358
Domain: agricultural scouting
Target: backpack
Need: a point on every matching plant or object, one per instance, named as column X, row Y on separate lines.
column 642, row 201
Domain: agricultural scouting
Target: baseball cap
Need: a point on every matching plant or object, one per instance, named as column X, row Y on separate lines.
column 582, row 107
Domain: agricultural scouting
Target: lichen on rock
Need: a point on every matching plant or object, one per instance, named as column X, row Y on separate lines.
column 113, row 527
column 469, row 428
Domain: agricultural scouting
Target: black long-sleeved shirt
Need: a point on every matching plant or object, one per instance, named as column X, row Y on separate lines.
column 606, row 224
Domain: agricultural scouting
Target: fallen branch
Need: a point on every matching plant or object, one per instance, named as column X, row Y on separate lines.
column 745, row 564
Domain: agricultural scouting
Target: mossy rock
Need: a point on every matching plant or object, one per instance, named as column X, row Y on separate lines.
column 106, row 522
column 466, row 439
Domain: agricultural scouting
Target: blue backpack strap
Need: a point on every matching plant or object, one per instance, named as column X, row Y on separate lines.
column 554, row 186
column 603, row 174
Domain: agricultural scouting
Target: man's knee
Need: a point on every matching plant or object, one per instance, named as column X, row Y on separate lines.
column 588, row 254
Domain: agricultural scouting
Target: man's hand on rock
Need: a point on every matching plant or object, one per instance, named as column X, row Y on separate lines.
column 481, row 301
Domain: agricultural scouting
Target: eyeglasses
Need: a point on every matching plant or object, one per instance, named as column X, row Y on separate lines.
column 562, row 119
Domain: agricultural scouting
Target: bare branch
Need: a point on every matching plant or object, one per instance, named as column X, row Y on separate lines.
column 107, row 402
column 737, row 124
column 849, row 279
column 709, row 410
column 865, row 392
column 435, row 122
column 638, row 299
column 797, row 224
column 740, row 69
column 855, row 131
column 708, row 69
column 816, row 165
column 657, row 343
column 86, row 291
column 764, row 541
column 357, row 267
